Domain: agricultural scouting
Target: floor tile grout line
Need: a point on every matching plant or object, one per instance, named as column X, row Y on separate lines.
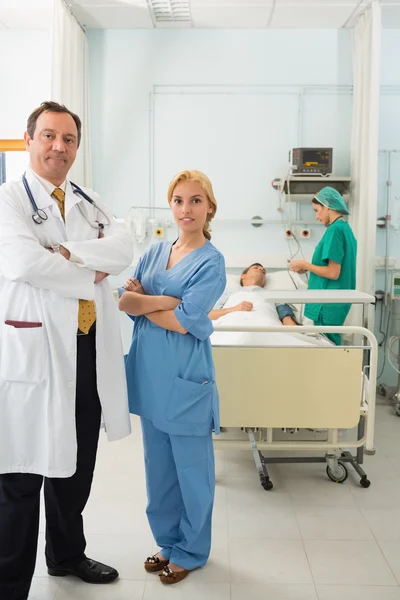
column 58, row 591
column 305, row 552
column 144, row 588
column 228, row 540
column 387, row 562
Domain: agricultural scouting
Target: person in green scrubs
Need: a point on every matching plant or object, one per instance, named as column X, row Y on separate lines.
column 333, row 264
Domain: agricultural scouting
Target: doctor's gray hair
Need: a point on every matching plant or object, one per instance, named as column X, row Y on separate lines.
column 55, row 107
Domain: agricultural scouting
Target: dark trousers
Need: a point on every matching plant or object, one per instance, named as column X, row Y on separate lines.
column 65, row 499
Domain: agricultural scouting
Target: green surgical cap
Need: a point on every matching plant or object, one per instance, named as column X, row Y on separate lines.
column 331, row 198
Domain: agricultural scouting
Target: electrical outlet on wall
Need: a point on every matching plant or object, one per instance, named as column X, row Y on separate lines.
column 289, row 234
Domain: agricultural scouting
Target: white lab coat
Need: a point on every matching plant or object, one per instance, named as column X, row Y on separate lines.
column 38, row 365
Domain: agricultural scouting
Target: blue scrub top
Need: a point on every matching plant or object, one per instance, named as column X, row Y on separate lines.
column 171, row 377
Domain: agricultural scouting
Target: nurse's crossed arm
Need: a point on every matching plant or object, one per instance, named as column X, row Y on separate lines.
column 137, row 304
column 166, row 319
column 191, row 315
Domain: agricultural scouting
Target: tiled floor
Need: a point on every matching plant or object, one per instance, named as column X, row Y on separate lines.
column 308, row 539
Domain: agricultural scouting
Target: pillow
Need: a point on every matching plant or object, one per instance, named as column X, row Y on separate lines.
column 283, row 280
column 276, row 281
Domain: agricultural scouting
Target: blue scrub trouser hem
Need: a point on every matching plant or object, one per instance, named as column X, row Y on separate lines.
column 182, row 559
column 166, row 552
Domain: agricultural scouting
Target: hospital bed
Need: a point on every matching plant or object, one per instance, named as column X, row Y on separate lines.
column 299, row 381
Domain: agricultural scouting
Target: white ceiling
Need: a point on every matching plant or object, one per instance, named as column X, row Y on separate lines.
column 249, row 14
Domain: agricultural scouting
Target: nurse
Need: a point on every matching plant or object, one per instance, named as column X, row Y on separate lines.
column 171, row 378
column 333, row 264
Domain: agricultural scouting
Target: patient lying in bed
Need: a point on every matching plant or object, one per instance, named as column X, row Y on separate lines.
column 252, row 299
column 248, row 305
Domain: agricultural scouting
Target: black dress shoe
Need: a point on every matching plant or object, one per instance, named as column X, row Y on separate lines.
column 88, row 570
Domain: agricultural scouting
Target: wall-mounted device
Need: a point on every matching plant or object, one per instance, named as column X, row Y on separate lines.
column 311, row 161
column 158, row 231
column 396, row 286
column 306, row 233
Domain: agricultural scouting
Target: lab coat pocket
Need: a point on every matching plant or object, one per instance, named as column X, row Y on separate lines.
column 23, row 355
column 190, row 402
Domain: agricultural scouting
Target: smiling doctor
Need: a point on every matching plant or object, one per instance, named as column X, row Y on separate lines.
column 61, row 358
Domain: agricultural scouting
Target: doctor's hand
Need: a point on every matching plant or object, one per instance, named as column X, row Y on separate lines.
column 63, row 251
column 298, row 266
column 133, row 285
column 243, row 307
column 100, row 276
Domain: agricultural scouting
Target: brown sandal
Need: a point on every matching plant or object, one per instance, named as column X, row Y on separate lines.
column 170, row 577
column 153, row 564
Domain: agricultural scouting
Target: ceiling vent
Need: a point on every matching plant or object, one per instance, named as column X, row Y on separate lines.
column 170, row 11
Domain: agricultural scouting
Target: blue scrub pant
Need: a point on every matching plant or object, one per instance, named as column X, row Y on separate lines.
column 180, row 479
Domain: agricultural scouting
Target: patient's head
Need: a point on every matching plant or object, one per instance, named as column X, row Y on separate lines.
column 255, row 274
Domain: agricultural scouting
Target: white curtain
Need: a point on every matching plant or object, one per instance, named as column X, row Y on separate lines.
column 364, row 167
column 69, row 81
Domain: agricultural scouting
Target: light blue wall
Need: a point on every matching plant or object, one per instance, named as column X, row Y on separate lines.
column 238, row 133
column 132, row 163
column 125, row 65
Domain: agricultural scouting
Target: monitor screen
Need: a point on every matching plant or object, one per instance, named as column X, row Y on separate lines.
column 318, row 158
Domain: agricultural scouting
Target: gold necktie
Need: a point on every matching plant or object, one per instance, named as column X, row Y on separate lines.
column 87, row 309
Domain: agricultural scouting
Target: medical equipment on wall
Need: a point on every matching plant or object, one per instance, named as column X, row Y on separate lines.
column 158, row 231
column 396, row 214
column 395, row 294
column 136, row 222
column 311, row 161
column 39, row 215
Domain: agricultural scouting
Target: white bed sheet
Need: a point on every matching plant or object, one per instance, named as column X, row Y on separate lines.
column 263, row 315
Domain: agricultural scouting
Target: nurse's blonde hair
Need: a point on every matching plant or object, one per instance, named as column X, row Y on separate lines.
column 205, row 183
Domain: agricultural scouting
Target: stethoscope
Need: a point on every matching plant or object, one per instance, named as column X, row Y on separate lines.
column 39, row 215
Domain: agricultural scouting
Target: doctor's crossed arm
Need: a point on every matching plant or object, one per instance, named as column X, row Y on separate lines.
column 99, row 275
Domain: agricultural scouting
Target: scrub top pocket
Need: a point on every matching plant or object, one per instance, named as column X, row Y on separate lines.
column 190, row 402
column 23, row 355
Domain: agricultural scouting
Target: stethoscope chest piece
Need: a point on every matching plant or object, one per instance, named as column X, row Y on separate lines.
column 39, row 216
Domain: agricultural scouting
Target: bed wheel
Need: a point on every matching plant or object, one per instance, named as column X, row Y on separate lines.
column 364, row 482
column 339, row 474
column 267, row 484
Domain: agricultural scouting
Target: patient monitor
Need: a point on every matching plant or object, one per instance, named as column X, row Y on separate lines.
column 395, row 286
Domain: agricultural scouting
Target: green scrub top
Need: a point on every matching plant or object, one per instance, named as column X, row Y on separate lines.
column 339, row 245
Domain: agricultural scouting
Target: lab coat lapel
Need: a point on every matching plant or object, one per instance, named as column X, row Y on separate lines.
column 70, row 198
